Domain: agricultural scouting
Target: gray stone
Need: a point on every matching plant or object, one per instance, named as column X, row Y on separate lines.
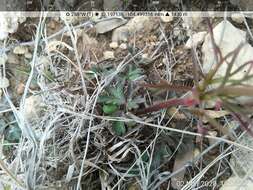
column 108, row 24
column 228, row 38
column 136, row 25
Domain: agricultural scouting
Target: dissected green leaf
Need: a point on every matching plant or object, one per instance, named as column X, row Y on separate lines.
column 132, row 105
column 118, row 96
column 110, row 108
column 133, row 74
column 117, row 92
column 119, row 128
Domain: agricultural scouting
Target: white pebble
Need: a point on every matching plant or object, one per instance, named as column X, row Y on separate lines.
column 144, row 56
column 195, row 40
column 166, row 18
column 238, row 18
column 28, row 55
column 20, row 50
column 108, row 55
column 123, row 46
column 114, row 45
column 4, row 82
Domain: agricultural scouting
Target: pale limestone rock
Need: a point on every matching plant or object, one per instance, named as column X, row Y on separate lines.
column 121, row 34
column 238, row 18
column 144, row 56
column 166, row 19
column 4, row 82
column 136, row 25
column 109, row 24
column 20, row 50
column 195, row 40
column 228, row 39
column 114, row 45
column 28, row 55
column 123, row 46
column 108, row 55
column 237, row 183
column 9, row 23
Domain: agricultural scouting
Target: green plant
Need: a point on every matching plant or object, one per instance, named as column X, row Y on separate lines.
column 223, row 91
column 118, row 97
column 11, row 132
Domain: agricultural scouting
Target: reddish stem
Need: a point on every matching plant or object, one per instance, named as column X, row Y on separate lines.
column 169, row 103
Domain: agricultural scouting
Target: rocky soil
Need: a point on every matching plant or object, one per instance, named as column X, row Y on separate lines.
column 70, row 88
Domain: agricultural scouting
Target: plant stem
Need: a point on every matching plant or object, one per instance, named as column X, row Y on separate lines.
column 167, row 104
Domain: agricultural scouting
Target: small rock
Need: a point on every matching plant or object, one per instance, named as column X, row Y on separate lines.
column 195, row 40
column 136, row 25
column 114, row 45
column 20, row 50
column 144, row 56
column 9, row 23
column 32, row 107
column 120, row 34
column 108, row 55
column 123, row 46
column 141, row 24
column 228, row 39
column 4, row 82
column 238, row 18
column 28, row 55
column 234, row 183
column 109, row 24
column 166, row 18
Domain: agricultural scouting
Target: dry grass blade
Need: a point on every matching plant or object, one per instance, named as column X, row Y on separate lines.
column 10, row 174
